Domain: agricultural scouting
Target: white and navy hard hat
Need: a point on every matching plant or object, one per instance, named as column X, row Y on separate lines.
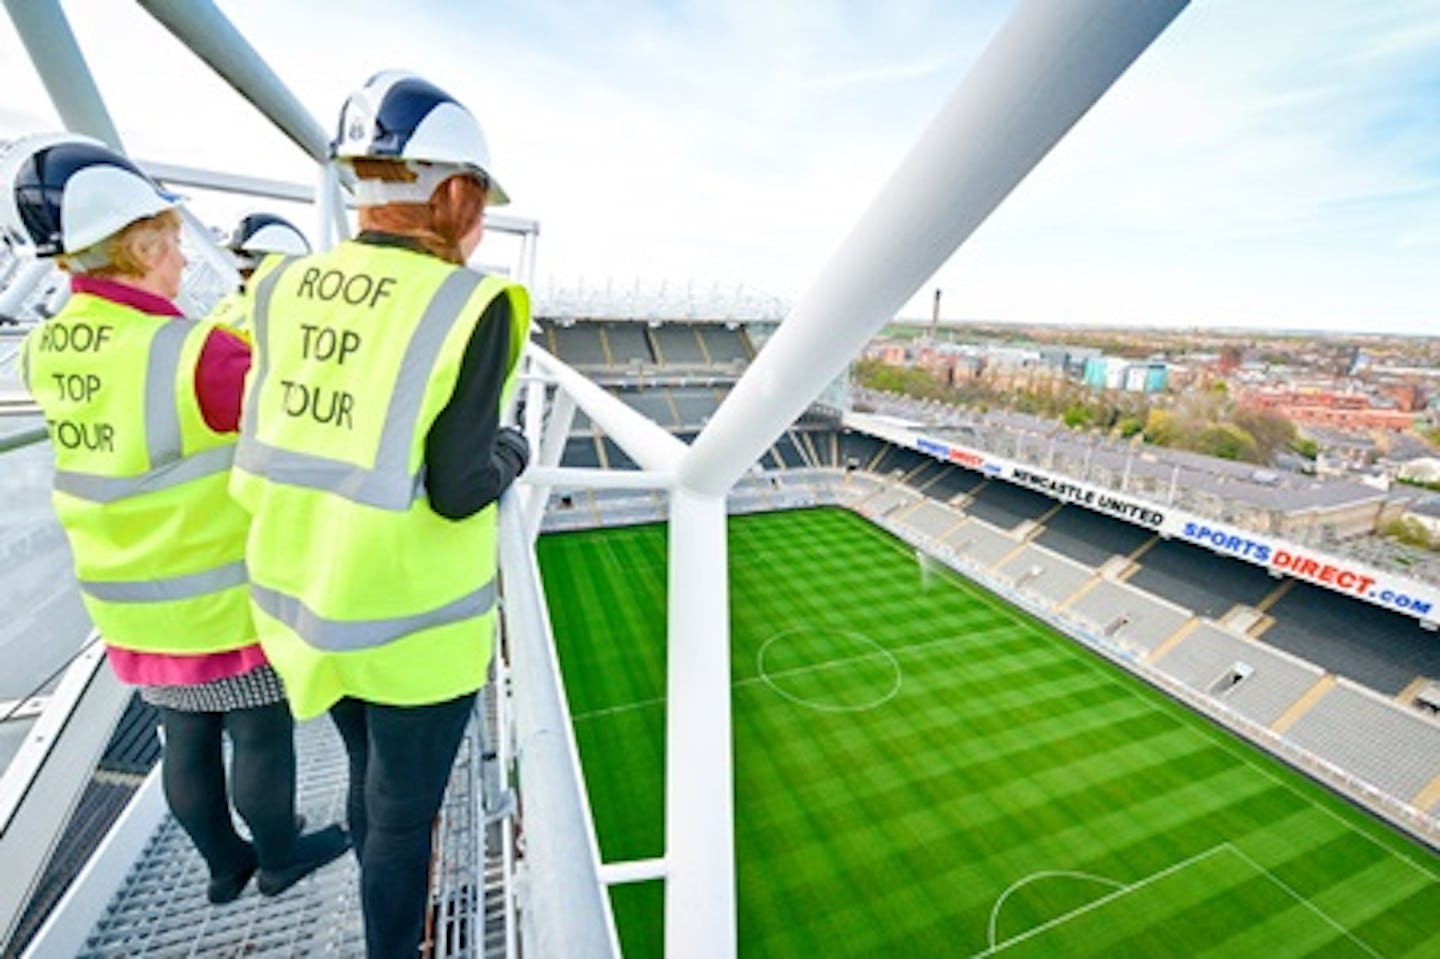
column 261, row 233
column 61, row 193
column 397, row 115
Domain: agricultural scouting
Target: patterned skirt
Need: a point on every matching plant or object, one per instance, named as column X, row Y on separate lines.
column 259, row 687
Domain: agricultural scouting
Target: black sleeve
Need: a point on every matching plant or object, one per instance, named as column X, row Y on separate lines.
column 463, row 474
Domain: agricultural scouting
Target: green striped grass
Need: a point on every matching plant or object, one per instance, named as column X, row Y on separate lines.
column 923, row 770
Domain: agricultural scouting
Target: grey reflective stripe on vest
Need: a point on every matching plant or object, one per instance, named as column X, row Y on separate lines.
column 163, row 442
column 162, row 418
column 349, row 635
column 389, row 484
column 259, row 354
column 188, row 586
column 109, row 489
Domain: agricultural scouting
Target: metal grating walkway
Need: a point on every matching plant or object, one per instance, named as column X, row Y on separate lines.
column 160, row 910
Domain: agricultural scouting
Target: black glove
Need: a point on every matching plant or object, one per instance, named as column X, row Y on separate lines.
column 512, row 450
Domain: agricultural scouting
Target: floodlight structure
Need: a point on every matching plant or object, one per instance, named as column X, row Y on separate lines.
column 1048, row 65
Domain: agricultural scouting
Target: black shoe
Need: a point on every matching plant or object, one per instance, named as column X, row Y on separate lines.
column 311, row 851
column 223, row 889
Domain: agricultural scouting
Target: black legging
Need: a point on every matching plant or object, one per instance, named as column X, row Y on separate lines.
column 262, row 784
column 400, row 759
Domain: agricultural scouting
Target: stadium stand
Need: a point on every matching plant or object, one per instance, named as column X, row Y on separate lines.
column 1349, row 637
column 579, row 345
column 678, row 345
column 859, row 451
column 788, row 453
column 931, row 519
column 926, row 474
column 902, row 461
column 1007, row 506
column 1255, row 681
column 952, row 483
column 979, row 543
column 1046, row 575
column 1089, row 537
column 891, row 499
column 1348, row 727
column 627, row 343
column 695, row 406
column 580, row 451
column 725, row 345
column 614, row 457
column 653, row 404
column 1128, row 617
column 1192, row 576
column 856, row 488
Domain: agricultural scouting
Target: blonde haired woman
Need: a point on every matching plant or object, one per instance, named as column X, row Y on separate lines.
column 142, row 407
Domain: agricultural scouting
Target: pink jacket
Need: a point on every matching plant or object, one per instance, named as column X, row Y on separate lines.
column 219, row 384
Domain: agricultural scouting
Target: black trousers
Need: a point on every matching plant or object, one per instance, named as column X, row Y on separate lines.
column 262, row 784
column 400, row 759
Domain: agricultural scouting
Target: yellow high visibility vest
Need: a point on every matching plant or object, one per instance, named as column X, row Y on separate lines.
column 231, row 311
column 140, row 479
column 358, row 587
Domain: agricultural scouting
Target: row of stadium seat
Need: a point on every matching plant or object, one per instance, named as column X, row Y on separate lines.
column 617, row 344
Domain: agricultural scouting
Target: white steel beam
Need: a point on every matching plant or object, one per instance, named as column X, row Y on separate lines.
column 638, row 870
column 699, row 760
column 567, row 912
column 582, row 477
column 552, row 450
column 66, row 75
column 177, row 175
column 1047, row 66
column 62, row 68
column 650, row 446
column 213, row 38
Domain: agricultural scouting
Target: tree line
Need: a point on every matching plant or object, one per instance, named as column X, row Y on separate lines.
column 1204, row 420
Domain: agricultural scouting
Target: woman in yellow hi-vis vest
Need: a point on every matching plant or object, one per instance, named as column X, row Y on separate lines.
column 370, row 458
column 256, row 236
column 142, row 407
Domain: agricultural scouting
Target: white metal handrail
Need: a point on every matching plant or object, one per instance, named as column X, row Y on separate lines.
column 566, row 911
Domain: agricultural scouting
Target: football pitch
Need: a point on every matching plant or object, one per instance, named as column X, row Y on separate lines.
column 923, row 770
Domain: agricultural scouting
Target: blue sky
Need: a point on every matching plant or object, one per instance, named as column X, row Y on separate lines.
column 1272, row 164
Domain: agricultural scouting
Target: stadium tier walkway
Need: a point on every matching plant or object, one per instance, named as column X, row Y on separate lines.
column 1259, row 683
column 1046, row 575
column 1129, row 617
column 1395, row 750
column 979, row 544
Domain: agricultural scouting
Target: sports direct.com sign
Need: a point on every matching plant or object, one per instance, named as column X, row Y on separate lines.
column 1399, row 593
column 1395, row 592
